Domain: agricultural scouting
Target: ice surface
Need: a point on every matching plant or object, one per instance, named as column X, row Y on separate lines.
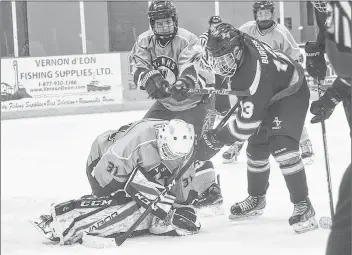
column 43, row 161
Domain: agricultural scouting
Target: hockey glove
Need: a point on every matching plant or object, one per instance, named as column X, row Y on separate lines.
column 209, row 145
column 179, row 91
column 155, row 84
column 144, row 189
column 324, row 107
column 179, row 222
column 315, row 60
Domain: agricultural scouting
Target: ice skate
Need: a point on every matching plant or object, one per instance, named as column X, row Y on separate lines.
column 307, row 153
column 250, row 207
column 42, row 224
column 210, row 202
column 302, row 219
column 232, row 153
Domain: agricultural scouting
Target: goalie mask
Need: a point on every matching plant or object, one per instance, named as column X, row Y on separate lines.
column 321, row 6
column 175, row 139
column 263, row 12
column 225, row 49
column 163, row 20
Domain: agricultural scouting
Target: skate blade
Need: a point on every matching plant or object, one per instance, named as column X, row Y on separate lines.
column 302, row 227
column 47, row 235
column 211, row 210
column 246, row 216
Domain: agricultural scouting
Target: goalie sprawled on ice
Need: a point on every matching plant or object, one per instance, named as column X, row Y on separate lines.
column 128, row 169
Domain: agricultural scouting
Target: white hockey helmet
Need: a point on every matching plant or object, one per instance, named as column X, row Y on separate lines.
column 175, row 139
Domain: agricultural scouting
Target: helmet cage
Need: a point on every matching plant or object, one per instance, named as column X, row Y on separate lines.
column 164, row 11
column 227, row 64
column 321, row 6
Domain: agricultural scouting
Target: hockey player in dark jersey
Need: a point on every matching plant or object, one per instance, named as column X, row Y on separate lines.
column 336, row 39
column 165, row 62
column 222, row 102
column 274, row 99
column 264, row 28
column 340, row 57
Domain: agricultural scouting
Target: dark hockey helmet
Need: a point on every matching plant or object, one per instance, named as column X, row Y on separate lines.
column 320, row 5
column 225, row 49
column 163, row 19
column 265, row 22
column 214, row 20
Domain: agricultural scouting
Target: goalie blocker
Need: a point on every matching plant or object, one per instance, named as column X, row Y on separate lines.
column 122, row 190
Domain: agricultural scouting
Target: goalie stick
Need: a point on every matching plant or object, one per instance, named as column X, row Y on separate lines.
column 92, row 241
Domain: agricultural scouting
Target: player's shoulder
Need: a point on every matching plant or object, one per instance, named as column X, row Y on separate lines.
column 185, row 36
column 145, row 129
column 248, row 26
column 141, row 134
column 281, row 28
column 145, row 36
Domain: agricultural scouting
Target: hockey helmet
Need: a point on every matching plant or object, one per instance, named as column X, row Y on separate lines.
column 175, row 139
column 264, row 19
column 225, row 49
column 214, row 21
column 163, row 19
column 321, row 6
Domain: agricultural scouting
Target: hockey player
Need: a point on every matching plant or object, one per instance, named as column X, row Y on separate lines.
column 339, row 56
column 274, row 99
column 337, row 42
column 264, row 28
column 127, row 169
column 222, row 102
column 165, row 63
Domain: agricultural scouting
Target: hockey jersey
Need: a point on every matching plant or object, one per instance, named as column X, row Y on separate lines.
column 179, row 56
column 269, row 76
column 116, row 153
column 339, row 37
column 278, row 37
column 206, row 76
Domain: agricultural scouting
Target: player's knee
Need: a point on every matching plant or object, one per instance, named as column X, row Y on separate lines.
column 258, row 152
column 286, row 152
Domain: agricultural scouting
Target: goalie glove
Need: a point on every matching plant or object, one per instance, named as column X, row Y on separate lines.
column 144, row 189
column 180, row 221
column 315, row 60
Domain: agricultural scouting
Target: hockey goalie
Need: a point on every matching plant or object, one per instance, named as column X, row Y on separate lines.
column 127, row 169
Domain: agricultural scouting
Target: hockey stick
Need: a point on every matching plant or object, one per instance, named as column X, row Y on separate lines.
column 213, row 91
column 102, row 242
column 325, row 222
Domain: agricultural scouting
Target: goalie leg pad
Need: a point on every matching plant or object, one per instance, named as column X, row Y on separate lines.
column 71, row 220
column 180, row 221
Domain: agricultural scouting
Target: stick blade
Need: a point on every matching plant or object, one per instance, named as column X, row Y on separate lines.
column 325, row 222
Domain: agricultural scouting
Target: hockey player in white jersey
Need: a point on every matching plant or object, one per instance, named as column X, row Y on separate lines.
column 278, row 37
column 166, row 62
column 127, row 169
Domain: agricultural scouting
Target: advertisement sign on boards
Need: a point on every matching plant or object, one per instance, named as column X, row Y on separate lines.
column 60, row 81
